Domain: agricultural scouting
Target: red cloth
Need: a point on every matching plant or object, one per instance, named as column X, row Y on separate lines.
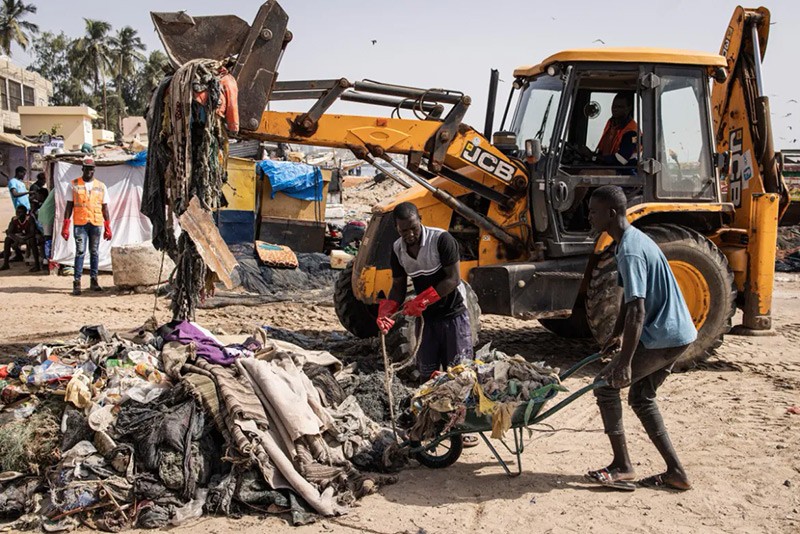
column 229, row 100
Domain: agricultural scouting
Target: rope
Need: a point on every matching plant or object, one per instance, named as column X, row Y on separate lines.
column 391, row 368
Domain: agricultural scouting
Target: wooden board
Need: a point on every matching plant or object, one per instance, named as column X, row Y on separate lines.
column 200, row 226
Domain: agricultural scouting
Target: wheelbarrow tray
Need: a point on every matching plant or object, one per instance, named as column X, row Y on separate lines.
column 527, row 413
column 523, row 414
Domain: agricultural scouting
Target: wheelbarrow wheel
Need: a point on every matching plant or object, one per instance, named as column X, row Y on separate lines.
column 443, row 455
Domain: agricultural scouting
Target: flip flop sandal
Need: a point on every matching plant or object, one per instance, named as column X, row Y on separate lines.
column 659, row 482
column 469, row 441
column 604, row 478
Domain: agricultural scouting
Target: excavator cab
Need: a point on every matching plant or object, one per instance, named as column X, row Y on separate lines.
column 565, row 108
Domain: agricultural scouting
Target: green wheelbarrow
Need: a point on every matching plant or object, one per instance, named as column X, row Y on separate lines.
column 445, row 449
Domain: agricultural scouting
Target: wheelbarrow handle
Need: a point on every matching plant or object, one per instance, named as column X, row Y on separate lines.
column 584, row 362
column 569, row 400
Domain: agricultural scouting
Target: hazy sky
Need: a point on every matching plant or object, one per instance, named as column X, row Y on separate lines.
column 454, row 44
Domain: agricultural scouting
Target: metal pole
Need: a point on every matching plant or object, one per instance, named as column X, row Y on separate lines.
column 491, row 102
column 757, row 57
column 459, row 207
column 372, row 161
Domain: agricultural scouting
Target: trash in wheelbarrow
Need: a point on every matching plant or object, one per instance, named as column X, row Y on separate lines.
column 436, row 438
column 494, row 384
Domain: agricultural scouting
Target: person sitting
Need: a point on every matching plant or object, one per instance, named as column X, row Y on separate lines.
column 21, row 231
column 619, row 143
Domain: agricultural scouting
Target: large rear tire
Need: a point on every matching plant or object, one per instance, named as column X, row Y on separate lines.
column 357, row 318
column 705, row 279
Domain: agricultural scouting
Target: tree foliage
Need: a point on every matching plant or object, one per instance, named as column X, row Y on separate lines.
column 52, row 60
column 13, row 29
column 102, row 69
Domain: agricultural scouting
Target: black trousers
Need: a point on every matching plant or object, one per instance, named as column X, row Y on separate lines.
column 649, row 369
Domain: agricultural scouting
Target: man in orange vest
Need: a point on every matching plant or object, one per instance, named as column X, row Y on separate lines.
column 619, row 142
column 88, row 205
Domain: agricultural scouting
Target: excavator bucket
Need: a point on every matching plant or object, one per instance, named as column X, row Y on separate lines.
column 256, row 49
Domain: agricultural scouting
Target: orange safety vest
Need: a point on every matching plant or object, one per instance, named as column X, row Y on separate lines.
column 612, row 137
column 87, row 205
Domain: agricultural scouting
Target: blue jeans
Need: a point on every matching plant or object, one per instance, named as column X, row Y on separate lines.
column 83, row 233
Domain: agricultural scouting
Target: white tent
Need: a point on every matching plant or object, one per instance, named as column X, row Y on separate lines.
column 124, row 185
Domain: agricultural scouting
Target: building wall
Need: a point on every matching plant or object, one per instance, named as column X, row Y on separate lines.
column 42, row 90
column 12, row 157
column 100, row 136
column 76, row 129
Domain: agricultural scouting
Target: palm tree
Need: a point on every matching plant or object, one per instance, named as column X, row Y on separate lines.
column 12, row 28
column 126, row 48
column 153, row 71
column 94, row 58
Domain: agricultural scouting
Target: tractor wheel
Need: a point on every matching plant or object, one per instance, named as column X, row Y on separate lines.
column 576, row 326
column 402, row 338
column 705, row 279
column 357, row 318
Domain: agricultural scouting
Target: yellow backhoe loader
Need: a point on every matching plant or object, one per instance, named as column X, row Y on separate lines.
column 704, row 181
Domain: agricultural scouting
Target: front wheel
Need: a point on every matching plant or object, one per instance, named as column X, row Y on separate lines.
column 703, row 275
column 357, row 318
column 444, row 454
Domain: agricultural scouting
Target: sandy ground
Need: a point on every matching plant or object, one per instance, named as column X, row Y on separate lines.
column 728, row 421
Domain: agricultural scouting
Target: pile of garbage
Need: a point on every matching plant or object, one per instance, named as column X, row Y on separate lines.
column 313, row 272
column 494, row 384
column 163, row 425
column 787, row 258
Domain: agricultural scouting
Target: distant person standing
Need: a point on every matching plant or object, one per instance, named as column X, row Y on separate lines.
column 38, row 192
column 16, row 186
column 89, row 206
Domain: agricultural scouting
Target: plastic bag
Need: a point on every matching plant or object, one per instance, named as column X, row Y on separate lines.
column 49, row 371
column 79, row 390
column 191, row 510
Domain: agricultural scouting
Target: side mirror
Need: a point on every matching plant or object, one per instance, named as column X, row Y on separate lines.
column 533, row 149
column 505, row 142
column 723, row 161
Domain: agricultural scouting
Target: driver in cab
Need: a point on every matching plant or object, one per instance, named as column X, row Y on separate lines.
column 618, row 144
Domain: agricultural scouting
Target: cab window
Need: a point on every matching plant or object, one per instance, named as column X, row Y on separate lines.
column 684, row 150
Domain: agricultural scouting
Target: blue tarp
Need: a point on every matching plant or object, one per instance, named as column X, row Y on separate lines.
column 298, row 180
column 139, row 159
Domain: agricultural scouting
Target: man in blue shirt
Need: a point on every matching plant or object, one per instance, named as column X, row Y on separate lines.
column 19, row 193
column 652, row 331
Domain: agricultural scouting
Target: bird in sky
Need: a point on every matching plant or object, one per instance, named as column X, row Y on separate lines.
column 787, row 115
column 791, row 100
column 599, row 41
column 374, row 42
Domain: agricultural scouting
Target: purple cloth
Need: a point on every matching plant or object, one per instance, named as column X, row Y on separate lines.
column 184, row 332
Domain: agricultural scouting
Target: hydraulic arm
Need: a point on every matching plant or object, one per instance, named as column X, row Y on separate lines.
column 438, row 144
